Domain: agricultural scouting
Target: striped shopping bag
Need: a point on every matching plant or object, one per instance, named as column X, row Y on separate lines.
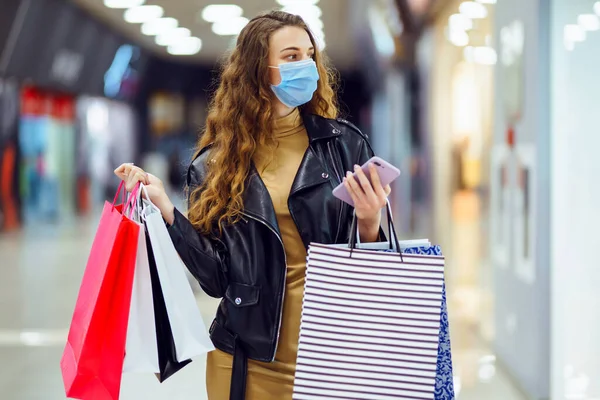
column 374, row 323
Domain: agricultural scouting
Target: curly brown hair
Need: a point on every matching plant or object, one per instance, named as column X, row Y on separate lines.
column 240, row 118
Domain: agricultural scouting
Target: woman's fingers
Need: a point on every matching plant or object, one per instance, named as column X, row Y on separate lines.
column 366, row 186
column 131, row 175
column 123, row 170
column 151, row 178
column 376, row 183
column 367, row 194
column 354, row 189
column 134, row 179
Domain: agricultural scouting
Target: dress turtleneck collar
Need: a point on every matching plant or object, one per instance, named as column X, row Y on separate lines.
column 288, row 125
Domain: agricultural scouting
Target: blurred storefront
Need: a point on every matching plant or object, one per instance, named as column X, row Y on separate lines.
column 174, row 122
column 531, row 103
column 77, row 82
column 47, row 149
column 106, row 137
column 9, row 155
column 520, row 171
column 456, row 60
column 490, row 146
column 459, row 113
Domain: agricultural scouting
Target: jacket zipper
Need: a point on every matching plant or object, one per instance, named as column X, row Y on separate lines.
column 282, row 284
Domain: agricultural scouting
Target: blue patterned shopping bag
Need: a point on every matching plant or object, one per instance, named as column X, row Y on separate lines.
column 444, row 383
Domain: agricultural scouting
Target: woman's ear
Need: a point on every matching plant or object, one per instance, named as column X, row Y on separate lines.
column 274, row 76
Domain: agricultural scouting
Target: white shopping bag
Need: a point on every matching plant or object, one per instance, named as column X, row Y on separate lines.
column 189, row 332
column 141, row 350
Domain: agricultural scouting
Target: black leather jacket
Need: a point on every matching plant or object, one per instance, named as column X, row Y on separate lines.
column 247, row 265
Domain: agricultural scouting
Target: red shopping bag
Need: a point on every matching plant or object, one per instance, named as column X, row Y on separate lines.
column 92, row 362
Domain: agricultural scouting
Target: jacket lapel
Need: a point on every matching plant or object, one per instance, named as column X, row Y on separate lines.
column 257, row 200
column 311, row 173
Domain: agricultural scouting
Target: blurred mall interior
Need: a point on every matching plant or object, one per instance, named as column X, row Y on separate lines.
column 488, row 107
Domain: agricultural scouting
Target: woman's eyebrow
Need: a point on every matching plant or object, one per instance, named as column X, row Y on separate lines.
column 295, row 49
column 290, row 48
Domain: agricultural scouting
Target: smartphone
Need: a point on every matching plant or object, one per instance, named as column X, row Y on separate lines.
column 387, row 174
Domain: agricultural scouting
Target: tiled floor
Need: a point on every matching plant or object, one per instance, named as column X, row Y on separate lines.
column 41, row 270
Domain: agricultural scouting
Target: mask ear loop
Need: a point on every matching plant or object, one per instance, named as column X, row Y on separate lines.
column 280, row 77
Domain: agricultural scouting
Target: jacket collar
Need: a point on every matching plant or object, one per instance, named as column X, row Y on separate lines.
column 312, row 172
column 319, row 128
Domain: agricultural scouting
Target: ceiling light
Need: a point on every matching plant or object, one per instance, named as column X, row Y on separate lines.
column 315, row 24
column 473, row 10
column 158, row 26
column 589, row 22
column 172, row 36
column 306, row 11
column 123, row 3
column 574, row 33
column 468, row 54
column 570, row 46
column 221, row 12
column 297, row 2
column 141, row 14
column 485, row 55
column 185, row 46
column 460, row 22
column 512, row 42
column 487, row 1
column 319, row 36
column 230, row 27
column 458, row 38
column 320, row 44
column 597, row 8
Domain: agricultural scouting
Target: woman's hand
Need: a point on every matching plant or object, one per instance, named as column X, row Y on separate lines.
column 133, row 175
column 369, row 199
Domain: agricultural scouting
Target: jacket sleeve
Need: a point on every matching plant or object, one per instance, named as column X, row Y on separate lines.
column 205, row 258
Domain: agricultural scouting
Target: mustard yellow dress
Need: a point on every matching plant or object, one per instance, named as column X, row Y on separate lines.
column 274, row 381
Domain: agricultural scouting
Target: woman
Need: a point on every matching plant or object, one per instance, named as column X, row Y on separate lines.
column 260, row 192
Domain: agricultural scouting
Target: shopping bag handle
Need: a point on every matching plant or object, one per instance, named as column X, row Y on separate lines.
column 119, row 191
column 390, row 217
column 393, row 240
column 141, row 202
column 132, row 201
column 126, row 201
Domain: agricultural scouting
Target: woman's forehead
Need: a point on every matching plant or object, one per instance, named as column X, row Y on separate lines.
column 290, row 37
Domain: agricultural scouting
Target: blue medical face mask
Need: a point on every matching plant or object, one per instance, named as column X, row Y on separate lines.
column 298, row 82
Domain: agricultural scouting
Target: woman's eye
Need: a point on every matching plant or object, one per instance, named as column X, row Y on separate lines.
column 291, row 57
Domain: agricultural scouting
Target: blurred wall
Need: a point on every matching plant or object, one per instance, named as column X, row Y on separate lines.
column 575, row 208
